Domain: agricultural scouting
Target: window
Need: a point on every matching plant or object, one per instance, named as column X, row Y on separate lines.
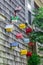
column 29, row 1
column 29, row 17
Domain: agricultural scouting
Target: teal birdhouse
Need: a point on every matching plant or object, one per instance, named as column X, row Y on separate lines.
column 26, row 40
column 14, row 19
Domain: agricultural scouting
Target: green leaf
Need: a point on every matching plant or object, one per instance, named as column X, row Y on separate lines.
column 15, row 18
column 38, row 18
column 34, row 60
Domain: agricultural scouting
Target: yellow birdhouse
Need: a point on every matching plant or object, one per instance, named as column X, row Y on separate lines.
column 9, row 28
column 23, row 52
column 22, row 26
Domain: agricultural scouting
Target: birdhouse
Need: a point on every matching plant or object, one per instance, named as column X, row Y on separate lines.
column 26, row 40
column 31, row 44
column 22, row 26
column 18, row 8
column 19, row 35
column 14, row 45
column 9, row 27
column 29, row 54
column 23, row 52
column 14, row 19
column 2, row 17
column 28, row 30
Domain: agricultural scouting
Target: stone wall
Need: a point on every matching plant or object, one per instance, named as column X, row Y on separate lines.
column 8, row 56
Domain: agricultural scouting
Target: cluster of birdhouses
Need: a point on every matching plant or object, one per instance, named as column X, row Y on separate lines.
column 10, row 28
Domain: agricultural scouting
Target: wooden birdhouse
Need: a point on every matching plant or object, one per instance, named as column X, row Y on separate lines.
column 28, row 30
column 22, row 26
column 9, row 27
column 14, row 19
column 2, row 17
column 18, row 8
column 14, row 45
column 29, row 54
column 23, row 52
column 19, row 35
column 26, row 40
column 31, row 44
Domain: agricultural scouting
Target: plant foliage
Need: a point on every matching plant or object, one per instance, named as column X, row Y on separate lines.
column 34, row 60
column 38, row 20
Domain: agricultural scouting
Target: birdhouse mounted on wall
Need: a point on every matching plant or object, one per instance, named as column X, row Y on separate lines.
column 23, row 52
column 26, row 40
column 19, row 35
column 9, row 27
column 2, row 17
column 28, row 30
column 29, row 54
column 14, row 19
column 31, row 44
column 14, row 45
column 17, row 9
column 22, row 26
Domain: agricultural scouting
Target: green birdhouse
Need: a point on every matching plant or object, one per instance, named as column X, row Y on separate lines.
column 14, row 19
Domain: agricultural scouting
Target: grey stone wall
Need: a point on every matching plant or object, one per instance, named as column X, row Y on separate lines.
column 8, row 56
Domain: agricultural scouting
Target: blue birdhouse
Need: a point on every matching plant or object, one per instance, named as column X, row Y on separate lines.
column 26, row 40
column 14, row 45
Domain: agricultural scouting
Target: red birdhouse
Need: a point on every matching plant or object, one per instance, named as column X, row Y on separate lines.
column 19, row 35
column 31, row 44
column 29, row 54
column 28, row 30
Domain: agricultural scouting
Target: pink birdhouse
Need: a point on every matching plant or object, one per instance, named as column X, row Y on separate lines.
column 19, row 35
column 18, row 8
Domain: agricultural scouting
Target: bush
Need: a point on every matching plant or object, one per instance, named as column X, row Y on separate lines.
column 34, row 60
